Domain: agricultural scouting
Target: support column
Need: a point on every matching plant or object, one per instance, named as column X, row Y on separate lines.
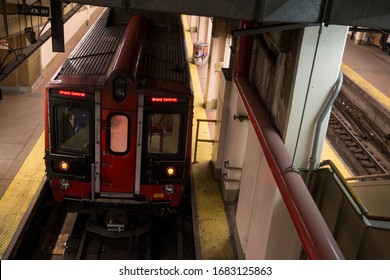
column 316, row 76
column 317, row 72
column 204, row 29
column 219, row 41
column 360, row 38
column 293, row 81
column 193, row 22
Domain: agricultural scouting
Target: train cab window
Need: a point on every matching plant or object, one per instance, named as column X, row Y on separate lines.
column 118, row 126
column 163, row 133
column 72, row 126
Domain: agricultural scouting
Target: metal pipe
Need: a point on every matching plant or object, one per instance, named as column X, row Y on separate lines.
column 314, row 234
column 319, row 124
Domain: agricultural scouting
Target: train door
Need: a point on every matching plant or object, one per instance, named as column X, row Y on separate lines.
column 164, row 140
column 69, row 155
column 118, row 153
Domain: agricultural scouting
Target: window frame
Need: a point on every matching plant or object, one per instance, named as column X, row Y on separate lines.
column 108, row 133
column 182, row 128
column 56, row 128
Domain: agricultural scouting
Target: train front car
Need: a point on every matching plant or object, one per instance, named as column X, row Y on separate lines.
column 119, row 119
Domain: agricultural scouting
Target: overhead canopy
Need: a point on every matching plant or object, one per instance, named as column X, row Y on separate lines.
column 367, row 13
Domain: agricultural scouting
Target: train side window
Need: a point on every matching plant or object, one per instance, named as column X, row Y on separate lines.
column 73, row 130
column 163, row 133
column 118, row 133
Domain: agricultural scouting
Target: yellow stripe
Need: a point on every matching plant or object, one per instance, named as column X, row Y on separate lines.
column 19, row 195
column 329, row 153
column 367, row 87
column 213, row 228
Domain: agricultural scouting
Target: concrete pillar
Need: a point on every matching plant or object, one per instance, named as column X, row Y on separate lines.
column 323, row 78
column 204, row 29
column 323, row 69
column 234, row 134
column 193, row 22
column 221, row 116
column 360, row 38
column 217, row 50
column 264, row 229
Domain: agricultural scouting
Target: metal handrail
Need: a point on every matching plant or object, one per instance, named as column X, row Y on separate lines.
column 315, row 236
column 197, row 136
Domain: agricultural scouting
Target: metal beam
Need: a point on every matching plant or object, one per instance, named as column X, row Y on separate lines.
column 57, row 25
column 373, row 13
column 13, row 65
column 272, row 28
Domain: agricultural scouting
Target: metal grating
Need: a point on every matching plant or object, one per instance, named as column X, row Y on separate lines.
column 96, row 50
column 164, row 56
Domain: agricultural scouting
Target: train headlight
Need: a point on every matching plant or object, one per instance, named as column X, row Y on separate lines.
column 169, row 189
column 64, row 165
column 64, row 184
column 119, row 89
column 170, row 171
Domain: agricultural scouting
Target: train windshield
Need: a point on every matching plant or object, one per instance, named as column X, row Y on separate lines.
column 72, row 126
column 163, row 133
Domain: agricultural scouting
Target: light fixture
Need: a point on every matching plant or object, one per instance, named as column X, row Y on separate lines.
column 64, row 165
column 170, row 171
column 30, row 35
column 169, row 189
column 119, row 89
column 64, row 184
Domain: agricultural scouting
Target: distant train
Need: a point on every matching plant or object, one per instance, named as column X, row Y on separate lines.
column 118, row 116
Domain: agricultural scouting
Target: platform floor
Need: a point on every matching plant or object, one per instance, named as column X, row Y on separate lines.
column 213, row 237
column 22, row 166
column 369, row 62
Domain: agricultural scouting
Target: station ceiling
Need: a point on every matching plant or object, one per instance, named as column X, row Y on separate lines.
column 367, row 13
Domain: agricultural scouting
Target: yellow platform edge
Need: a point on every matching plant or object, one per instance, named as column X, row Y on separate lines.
column 20, row 194
column 328, row 152
column 376, row 94
column 214, row 232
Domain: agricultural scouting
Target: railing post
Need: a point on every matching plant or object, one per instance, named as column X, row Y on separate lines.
column 196, row 140
column 197, row 136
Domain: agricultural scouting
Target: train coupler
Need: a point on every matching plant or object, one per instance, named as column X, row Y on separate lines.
column 116, row 220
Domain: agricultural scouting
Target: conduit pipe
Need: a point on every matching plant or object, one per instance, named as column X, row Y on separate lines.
column 319, row 124
column 315, row 236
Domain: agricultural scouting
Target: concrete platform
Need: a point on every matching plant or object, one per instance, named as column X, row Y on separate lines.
column 213, row 237
column 22, row 168
column 371, row 63
column 21, row 115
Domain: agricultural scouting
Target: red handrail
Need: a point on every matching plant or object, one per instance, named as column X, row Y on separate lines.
column 316, row 238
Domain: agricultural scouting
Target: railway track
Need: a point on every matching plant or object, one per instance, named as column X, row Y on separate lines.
column 357, row 141
column 67, row 238
column 64, row 235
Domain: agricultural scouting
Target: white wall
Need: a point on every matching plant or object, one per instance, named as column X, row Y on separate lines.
column 236, row 135
column 264, row 232
column 325, row 72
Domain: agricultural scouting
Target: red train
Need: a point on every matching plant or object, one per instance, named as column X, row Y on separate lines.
column 119, row 116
